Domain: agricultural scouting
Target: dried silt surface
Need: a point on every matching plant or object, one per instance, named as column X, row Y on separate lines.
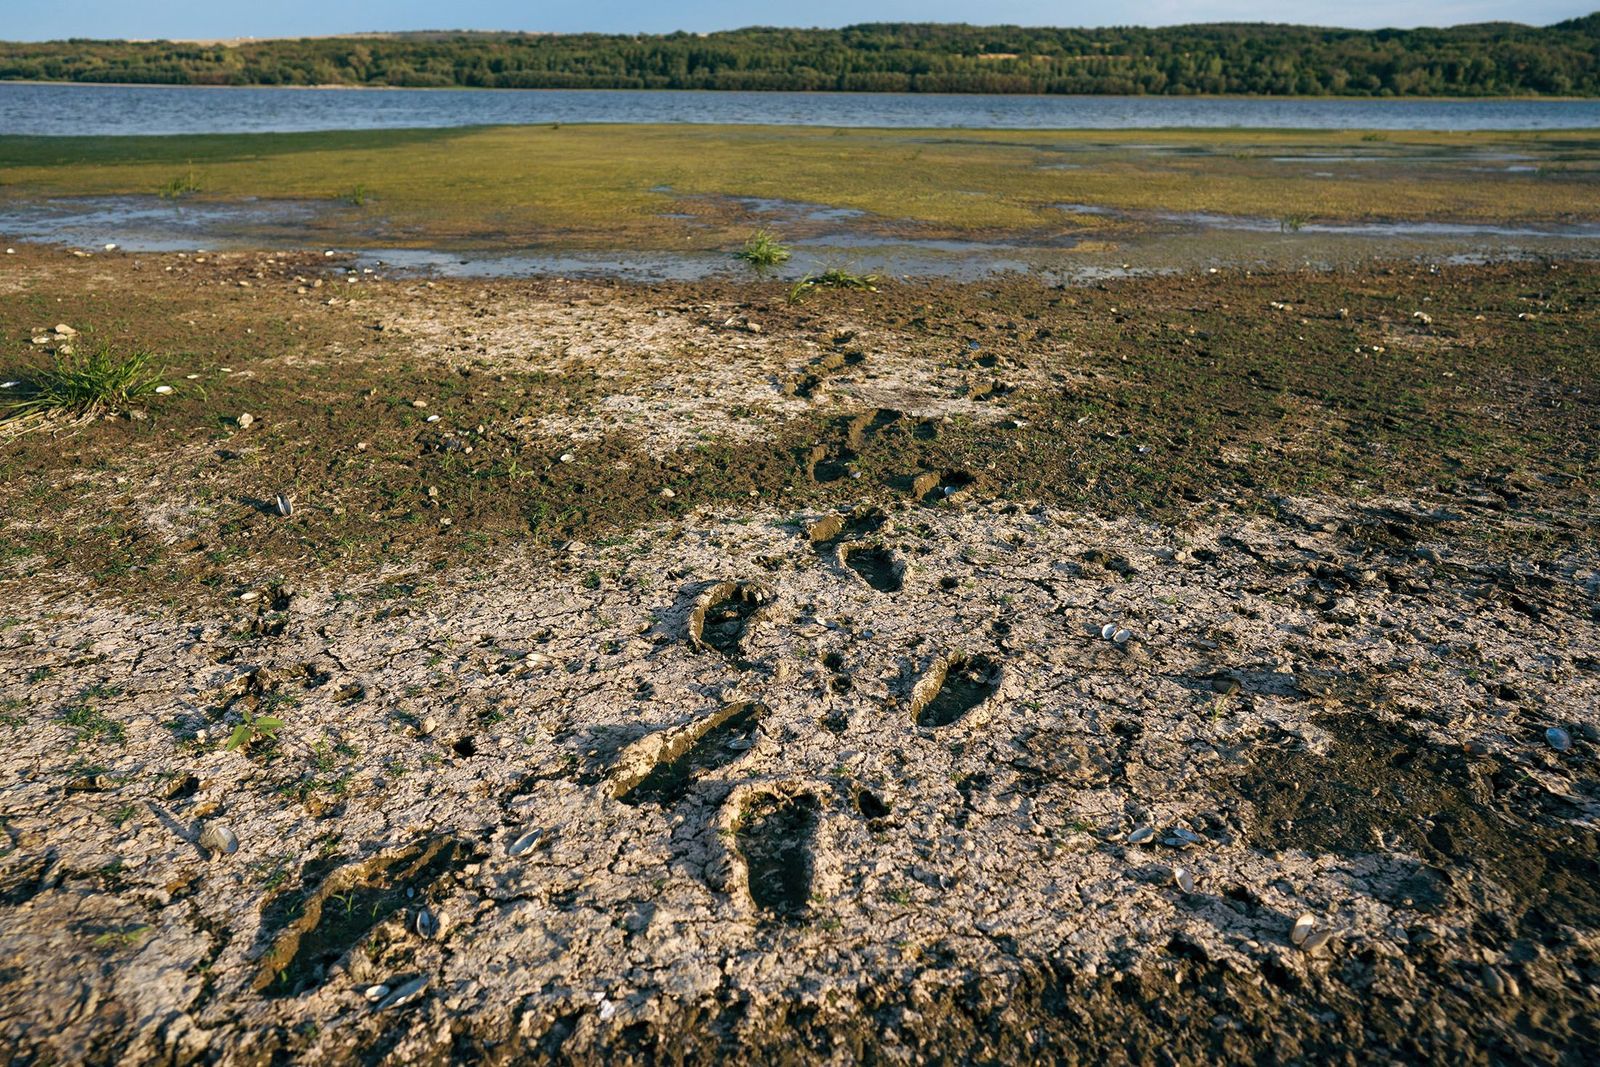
column 969, row 781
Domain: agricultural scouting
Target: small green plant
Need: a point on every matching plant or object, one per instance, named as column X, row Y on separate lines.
column 763, row 249
column 832, row 278
column 1291, row 223
column 91, row 724
column 254, row 728
column 116, row 938
column 358, row 195
column 180, row 186
column 81, row 386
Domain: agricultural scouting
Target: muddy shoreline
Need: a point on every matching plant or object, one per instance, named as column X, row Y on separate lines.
column 994, row 671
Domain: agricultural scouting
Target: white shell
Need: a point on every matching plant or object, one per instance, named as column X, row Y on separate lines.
column 524, row 843
column 375, row 993
column 1142, row 834
column 405, row 994
column 218, row 840
column 163, row 390
column 1184, row 878
column 1302, row 928
column 1107, row 630
column 1558, row 739
column 1121, row 636
column 429, row 925
column 284, row 505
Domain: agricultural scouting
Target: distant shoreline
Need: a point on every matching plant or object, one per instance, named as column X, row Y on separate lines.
column 1524, row 98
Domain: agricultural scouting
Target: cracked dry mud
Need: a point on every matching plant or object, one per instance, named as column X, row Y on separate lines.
column 632, row 843
column 924, row 722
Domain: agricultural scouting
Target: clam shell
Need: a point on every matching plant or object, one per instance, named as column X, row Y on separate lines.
column 375, row 993
column 1141, row 835
column 1302, row 928
column 1108, row 630
column 404, row 994
column 1558, row 739
column 524, row 843
column 1184, row 878
column 218, row 840
column 1121, row 637
column 427, row 924
column 284, row 505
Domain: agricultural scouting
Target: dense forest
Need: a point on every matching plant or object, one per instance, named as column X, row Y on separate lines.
column 1490, row 59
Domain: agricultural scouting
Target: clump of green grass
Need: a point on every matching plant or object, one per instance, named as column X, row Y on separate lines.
column 832, row 278
column 82, row 386
column 763, row 249
column 1291, row 223
column 182, row 185
column 358, row 195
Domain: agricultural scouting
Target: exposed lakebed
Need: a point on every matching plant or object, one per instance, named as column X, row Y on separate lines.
column 1094, row 241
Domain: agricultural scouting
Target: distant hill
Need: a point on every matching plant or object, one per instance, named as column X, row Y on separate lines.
column 1488, row 59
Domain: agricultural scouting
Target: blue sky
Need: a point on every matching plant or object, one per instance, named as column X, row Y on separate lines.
column 48, row 19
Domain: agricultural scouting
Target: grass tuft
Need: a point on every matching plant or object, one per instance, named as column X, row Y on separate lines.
column 763, row 249
column 832, row 278
column 180, row 186
column 80, row 386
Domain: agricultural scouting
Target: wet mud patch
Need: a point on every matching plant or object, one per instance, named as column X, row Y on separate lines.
column 716, row 742
column 346, row 907
column 877, row 566
column 773, row 837
column 953, row 688
column 1381, row 788
column 723, row 615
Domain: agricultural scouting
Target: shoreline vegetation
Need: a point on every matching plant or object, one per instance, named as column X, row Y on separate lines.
column 1473, row 61
column 687, row 187
column 337, row 87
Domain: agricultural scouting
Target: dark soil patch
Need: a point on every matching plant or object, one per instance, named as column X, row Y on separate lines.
column 1381, row 788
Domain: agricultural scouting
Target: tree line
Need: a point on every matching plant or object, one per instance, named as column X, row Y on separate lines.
column 1488, row 59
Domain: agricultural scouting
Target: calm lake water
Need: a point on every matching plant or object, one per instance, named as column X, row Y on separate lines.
column 117, row 109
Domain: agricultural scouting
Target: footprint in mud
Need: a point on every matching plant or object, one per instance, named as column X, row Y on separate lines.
column 877, row 566
column 833, row 530
column 773, row 837
column 809, row 382
column 952, row 688
column 334, row 919
column 988, row 390
column 716, row 742
column 831, row 463
column 724, row 614
column 931, row 487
